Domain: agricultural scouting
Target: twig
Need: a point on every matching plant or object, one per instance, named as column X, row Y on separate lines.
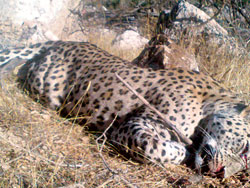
column 100, row 149
column 169, row 124
column 115, row 173
column 214, row 16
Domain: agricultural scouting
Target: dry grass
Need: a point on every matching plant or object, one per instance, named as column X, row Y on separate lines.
column 41, row 149
column 233, row 70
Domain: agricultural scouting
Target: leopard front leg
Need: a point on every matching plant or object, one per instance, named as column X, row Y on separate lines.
column 146, row 140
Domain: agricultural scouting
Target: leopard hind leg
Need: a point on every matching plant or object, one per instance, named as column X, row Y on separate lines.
column 146, row 139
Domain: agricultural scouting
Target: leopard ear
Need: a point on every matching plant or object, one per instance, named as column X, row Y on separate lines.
column 246, row 113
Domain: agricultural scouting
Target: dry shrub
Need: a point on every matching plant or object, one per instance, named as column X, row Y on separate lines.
column 230, row 68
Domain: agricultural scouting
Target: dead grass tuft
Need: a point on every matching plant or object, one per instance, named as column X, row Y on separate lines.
column 231, row 69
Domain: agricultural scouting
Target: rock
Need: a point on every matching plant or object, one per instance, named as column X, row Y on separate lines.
column 186, row 17
column 161, row 52
column 209, row 11
column 39, row 20
column 185, row 21
column 129, row 40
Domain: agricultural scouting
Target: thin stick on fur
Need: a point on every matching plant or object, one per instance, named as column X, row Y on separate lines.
column 115, row 173
column 103, row 135
column 169, row 124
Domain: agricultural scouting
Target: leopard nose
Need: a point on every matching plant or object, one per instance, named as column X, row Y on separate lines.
column 220, row 171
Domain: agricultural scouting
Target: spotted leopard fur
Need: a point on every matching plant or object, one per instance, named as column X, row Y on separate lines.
column 78, row 79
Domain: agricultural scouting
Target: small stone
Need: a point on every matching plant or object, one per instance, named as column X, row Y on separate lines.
column 195, row 178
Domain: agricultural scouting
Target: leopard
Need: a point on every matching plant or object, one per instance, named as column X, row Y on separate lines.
column 79, row 79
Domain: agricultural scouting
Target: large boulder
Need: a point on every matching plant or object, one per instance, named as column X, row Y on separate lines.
column 129, row 40
column 185, row 17
column 185, row 22
column 34, row 21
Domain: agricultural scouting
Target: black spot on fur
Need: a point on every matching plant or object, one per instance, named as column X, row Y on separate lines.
column 240, row 107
